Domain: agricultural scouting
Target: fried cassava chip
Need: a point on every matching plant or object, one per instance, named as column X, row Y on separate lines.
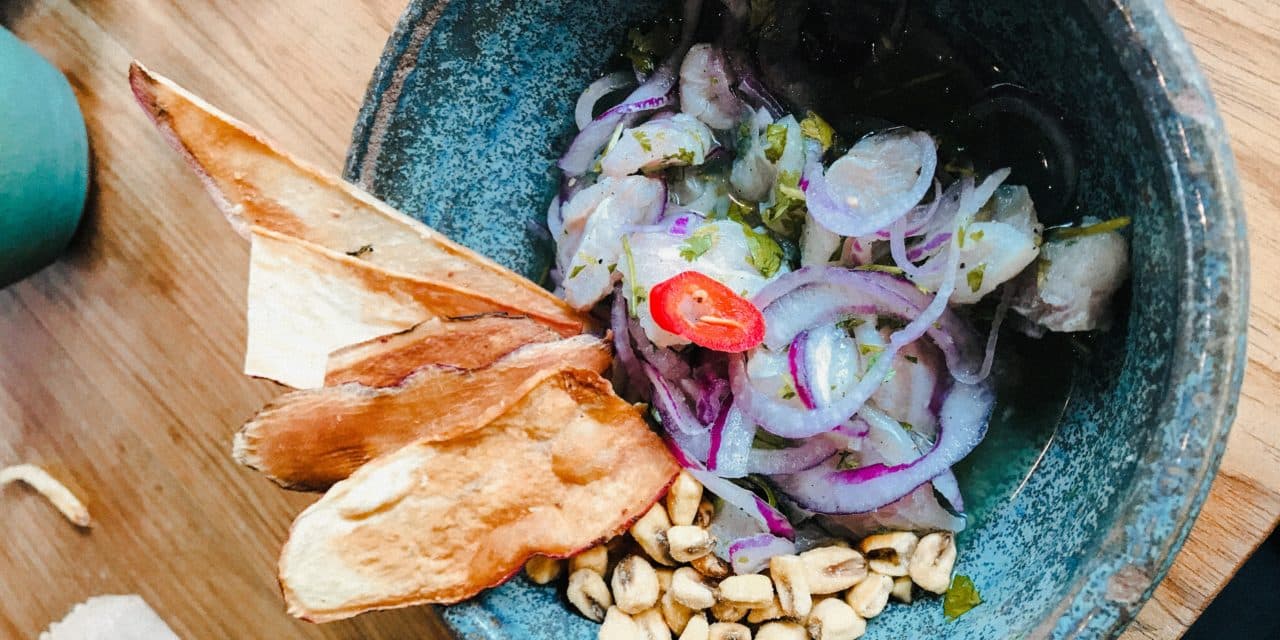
column 565, row 468
column 466, row 343
column 306, row 301
column 255, row 183
column 312, row 439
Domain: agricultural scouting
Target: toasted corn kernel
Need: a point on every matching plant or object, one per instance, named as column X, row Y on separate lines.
column 595, row 559
column 869, row 597
column 588, row 592
column 833, row 569
column 650, row 531
column 542, row 570
column 711, row 566
column 687, row 542
column 675, row 614
column 931, row 564
column 753, row 590
column 782, row 631
column 832, row 619
column 706, row 513
column 697, row 628
column 726, row 611
column 691, row 589
column 683, row 499
column 652, row 626
column 771, row 611
column 889, row 553
column 902, row 588
column 729, row 631
column 618, row 626
column 635, row 585
column 664, row 578
column 792, row 585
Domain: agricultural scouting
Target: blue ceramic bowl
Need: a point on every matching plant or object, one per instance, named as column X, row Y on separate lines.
column 1088, row 486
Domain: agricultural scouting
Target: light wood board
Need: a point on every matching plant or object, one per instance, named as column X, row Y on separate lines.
column 120, row 365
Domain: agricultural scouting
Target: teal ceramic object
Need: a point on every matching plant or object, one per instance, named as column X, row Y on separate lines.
column 1103, row 448
column 44, row 161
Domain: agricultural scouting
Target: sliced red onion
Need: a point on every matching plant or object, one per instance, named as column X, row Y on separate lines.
column 752, row 555
column 731, row 438
column 807, row 307
column 919, row 510
column 749, row 87
column 798, row 365
column 947, row 485
column 898, row 157
column 671, row 404
column 555, row 219
column 918, row 218
column 989, row 355
column 745, row 500
column 843, row 290
column 827, row 489
column 655, row 93
column 584, row 112
column 810, row 453
column 624, row 354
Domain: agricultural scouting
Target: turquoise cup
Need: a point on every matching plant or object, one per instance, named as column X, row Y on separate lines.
column 44, row 161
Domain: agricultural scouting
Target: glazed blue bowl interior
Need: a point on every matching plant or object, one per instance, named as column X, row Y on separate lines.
column 1103, row 447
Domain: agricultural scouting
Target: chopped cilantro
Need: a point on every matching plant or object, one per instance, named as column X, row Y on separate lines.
column 907, row 425
column 788, row 392
column 977, row 235
column 814, row 127
column 776, row 137
column 848, row 461
column 576, row 270
column 1114, row 224
column 358, row 253
column 764, row 253
column 867, row 349
column 912, row 359
column 975, row 277
column 647, row 43
column 643, row 139
column 768, row 441
column 740, row 212
column 698, row 243
column 883, row 268
column 633, row 292
column 759, row 486
column 960, row 235
column 849, row 324
column 613, row 266
column 788, row 200
column 960, row 597
column 683, row 156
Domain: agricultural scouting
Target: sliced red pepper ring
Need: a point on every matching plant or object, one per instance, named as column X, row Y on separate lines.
column 707, row 313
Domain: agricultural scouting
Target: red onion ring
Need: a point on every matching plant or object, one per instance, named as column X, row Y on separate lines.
column 852, row 218
column 585, row 109
column 826, row 489
column 797, row 364
column 810, row 453
column 731, row 439
column 752, row 555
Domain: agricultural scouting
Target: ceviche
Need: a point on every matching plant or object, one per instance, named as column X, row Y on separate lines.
column 795, row 303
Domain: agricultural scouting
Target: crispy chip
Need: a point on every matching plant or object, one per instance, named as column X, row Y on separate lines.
column 465, row 343
column 312, row 439
column 305, row 302
column 565, row 468
column 55, row 492
column 257, row 184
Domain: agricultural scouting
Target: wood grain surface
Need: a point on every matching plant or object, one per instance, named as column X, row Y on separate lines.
column 120, row 364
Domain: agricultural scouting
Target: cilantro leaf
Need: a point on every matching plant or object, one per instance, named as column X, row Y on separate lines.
column 776, row 138
column 1114, row 224
column 814, row 127
column 770, row 442
column 643, row 139
column 975, row 277
column 698, row 243
column 576, row 270
column 788, row 201
column 848, row 460
column 960, row 597
column 763, row 251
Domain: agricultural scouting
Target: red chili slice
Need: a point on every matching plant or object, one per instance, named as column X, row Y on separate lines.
column 707, row 313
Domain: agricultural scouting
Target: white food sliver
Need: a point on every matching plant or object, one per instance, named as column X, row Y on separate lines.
column 45, row 484
column 111, row 617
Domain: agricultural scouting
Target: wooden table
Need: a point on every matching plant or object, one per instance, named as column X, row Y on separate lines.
column 120, row 365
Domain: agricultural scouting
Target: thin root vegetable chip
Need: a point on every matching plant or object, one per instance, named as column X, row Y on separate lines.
column 566, row 467
column 312, row 439
column 466, row 343
column 255, row 183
